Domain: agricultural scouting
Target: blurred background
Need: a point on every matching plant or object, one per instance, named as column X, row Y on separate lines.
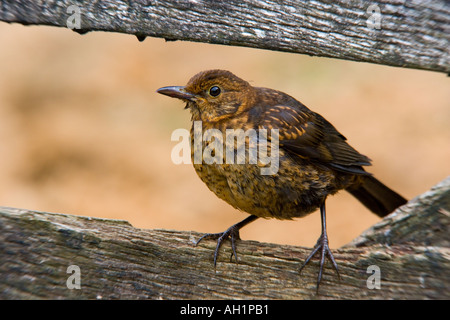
column 82, row 130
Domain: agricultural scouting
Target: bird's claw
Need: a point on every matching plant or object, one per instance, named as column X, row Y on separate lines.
column 322, row 245
column 232, row 233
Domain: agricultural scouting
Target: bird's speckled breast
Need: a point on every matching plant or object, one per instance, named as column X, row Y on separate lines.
column 296, row 190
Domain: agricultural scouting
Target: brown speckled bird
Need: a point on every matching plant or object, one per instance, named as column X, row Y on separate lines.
column 315, row 160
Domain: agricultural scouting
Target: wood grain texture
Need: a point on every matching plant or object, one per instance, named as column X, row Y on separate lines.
column 411, row 34
column 118, row 261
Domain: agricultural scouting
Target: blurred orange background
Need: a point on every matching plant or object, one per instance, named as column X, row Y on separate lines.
column 83, row 131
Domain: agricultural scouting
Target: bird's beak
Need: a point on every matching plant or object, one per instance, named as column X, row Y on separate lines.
column 176, row 92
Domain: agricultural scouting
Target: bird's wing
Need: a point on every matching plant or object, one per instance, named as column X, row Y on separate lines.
column 306, row 134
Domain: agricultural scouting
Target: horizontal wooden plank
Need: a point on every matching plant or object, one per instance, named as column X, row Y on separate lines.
column 411, row 34
column 117, row 261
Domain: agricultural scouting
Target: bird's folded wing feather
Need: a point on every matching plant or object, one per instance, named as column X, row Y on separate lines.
column 306, row 134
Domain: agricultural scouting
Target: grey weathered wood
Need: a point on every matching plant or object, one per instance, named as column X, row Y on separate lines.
column 116, row 260
column 412, row 34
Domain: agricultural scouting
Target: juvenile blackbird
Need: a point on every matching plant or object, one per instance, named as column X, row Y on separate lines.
column 315, row 160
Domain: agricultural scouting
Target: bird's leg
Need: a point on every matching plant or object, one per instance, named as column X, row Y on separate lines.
column 322, row 245
column 232, row 233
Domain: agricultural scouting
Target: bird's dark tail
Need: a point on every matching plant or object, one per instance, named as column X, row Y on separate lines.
column 376, row 196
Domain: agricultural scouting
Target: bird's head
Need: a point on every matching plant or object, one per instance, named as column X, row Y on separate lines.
column 213, row 95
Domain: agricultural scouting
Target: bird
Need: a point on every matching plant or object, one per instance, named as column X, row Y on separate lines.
column 314, row 159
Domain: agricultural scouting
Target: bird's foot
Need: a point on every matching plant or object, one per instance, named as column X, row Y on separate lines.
column 232, row 233
column 323, row 247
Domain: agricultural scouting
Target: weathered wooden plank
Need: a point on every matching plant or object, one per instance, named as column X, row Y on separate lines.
column 118, row 261
column 412, row 34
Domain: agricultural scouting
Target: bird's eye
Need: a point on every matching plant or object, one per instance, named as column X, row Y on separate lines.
column 214, row 91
